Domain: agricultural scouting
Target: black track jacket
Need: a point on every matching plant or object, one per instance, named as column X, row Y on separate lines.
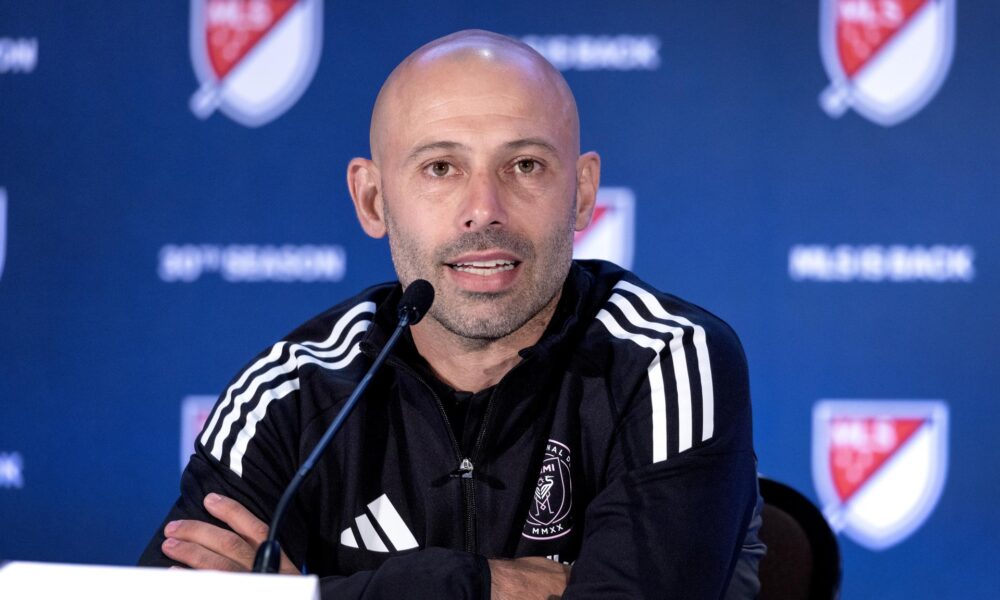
column 621, row 443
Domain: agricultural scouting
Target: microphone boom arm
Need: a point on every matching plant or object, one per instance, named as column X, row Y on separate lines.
column 416, row 300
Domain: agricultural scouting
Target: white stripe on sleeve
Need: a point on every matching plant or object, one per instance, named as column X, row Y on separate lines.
column 271, row 374
column 257, row 414
column 701, row 351
column 273, row 355
column 679, row 360
column 656, row 393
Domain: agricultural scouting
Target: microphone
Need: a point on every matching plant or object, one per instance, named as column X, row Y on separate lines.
column 416, row 300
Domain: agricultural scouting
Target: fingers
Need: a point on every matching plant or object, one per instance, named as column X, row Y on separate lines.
column 205, row 546
column 233, row 513
column 248, row 526
column 197, row 557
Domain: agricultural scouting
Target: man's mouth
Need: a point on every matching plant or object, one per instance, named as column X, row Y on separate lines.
column 484, row 268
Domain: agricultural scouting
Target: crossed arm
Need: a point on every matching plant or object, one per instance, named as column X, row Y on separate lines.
column 201, row 545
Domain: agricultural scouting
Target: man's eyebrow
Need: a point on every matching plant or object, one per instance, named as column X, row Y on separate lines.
column 452, row 146
column 442, row 145
column 524, row 142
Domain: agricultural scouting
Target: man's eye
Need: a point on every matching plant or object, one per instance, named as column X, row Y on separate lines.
column 526, row 165
column 439, row 169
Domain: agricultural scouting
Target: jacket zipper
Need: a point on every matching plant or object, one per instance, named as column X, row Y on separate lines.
column 467, row 480
column 465, row 464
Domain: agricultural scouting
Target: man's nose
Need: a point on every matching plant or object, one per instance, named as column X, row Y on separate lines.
column 483, row 205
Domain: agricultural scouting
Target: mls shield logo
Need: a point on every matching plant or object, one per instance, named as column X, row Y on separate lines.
column 254, row 58
column 611, row 233
column 195, row 411
column 11, row 470
column 879, row 466
column 885, row 58
column 552, row 504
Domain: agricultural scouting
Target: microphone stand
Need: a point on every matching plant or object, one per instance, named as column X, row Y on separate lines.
column 268, row 558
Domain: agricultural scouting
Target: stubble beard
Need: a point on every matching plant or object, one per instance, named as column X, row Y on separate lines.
column 476, row 317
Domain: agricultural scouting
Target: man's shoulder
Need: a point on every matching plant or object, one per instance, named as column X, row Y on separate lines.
column 328, row 340
column 354, row 312
column 623, row 307
column 665, row 362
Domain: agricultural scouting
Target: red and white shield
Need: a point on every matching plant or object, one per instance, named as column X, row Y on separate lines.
column 254, row 58
column 879, row 466
column 195, row 411
column 886, row 58
column 611, row 233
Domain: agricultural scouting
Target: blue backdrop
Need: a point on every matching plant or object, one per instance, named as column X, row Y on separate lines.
column 146, row 254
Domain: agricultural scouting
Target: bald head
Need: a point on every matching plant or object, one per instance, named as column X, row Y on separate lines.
column 471, row 57
column 477, row 179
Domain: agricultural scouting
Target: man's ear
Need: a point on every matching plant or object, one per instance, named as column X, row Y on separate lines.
column 588, row 180
column 364, row 183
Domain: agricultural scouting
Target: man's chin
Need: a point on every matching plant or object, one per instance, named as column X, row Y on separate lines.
column 486, row 316
column 497, row 324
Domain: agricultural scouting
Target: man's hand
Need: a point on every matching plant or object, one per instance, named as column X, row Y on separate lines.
column 529, row 577
column 204, row 546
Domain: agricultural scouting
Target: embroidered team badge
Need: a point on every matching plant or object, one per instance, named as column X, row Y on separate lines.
column 253, row 58
column 611, row 233
column 885, row 58
column 879, row 466
column 550, row 515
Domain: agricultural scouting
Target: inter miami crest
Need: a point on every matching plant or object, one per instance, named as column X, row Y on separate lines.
column 550, row 514
column 879, row 466
column 885, row 58
column 254, row 58
column 611, row 233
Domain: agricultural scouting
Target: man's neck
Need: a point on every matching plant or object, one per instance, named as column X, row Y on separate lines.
column 474, row 365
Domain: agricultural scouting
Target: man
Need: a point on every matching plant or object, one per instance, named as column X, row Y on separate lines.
column 545, row 411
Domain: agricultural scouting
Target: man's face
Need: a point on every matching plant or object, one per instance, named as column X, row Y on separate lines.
column 479, row 180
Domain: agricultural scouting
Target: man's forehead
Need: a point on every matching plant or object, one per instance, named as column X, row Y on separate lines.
column 478, row 110
column 443, row 74
column 503, row 71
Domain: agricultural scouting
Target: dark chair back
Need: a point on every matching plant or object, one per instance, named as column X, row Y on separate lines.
column 803, row 558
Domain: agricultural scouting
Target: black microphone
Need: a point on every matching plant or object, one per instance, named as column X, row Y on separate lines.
column 416, row 300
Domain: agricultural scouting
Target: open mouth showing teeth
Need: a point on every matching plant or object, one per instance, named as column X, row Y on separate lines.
column 485, row 267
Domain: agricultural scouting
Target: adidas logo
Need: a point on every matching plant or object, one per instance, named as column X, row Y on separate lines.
column 380, row 529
